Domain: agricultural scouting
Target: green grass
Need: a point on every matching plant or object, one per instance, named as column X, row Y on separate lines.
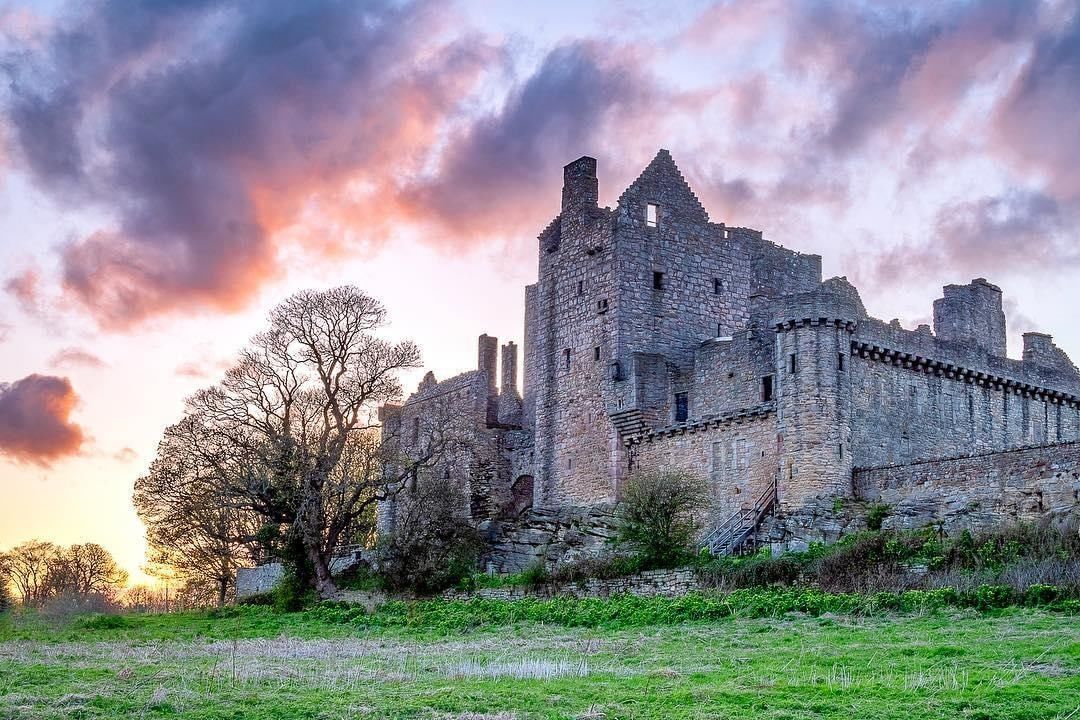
column 619, row 658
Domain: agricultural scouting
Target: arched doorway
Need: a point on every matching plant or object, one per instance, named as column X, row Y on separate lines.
column 521, row 496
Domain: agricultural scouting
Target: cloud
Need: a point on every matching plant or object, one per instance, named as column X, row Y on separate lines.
column 75, row 357
column 35, row 420
column 503, row 170
column 125, row 455
column 25, row 288
column 205, row 128
column 1019, row 230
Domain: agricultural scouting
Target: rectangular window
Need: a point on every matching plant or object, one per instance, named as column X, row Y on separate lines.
column 791, row 363
column 766, row 388
column 840, row 361
column 682, row 407
column 601, row 305
column 657, row 280
column 717, row 286
column 652, row 215
column 566, row 354
column 596, row 353
column 580, row 287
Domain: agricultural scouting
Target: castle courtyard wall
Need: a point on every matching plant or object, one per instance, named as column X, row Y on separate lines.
column 978, row 490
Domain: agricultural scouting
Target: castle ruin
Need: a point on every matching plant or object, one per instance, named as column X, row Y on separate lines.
column 655, row 338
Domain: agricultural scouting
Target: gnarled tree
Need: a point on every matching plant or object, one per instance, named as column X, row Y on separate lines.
column 294, row 425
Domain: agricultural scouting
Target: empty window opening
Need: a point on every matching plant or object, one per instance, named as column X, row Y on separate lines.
column 657, row 280
column 719, row 330
column 580, row 287
column 652, row 215
column 566, row 355
column 840, row 361
column 791, row 363
column 766, row 388
column 841, row 448
column 717, row 286
column 682, row 407
column 601, row 305
column 596, row 353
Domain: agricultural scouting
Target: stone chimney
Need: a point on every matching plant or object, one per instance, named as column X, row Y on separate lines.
column 510, row 405
column 580, row 187
column 488, row 357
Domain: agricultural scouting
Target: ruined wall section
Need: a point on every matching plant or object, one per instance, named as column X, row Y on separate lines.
column 978, row 490
column 575, row 443
column 735, row 453
column 972, row 315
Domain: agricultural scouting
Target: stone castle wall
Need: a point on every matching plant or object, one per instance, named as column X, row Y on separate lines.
column 979, row 490
column 734, row 453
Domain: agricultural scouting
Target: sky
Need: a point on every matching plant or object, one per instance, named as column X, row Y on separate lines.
column 170, row 169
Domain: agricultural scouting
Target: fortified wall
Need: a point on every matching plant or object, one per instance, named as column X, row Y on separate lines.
column 655, row 338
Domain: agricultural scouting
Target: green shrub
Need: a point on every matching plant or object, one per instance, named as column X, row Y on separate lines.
column 875, row 515
column 535, row 574
column 656, row 516
column 104, row 622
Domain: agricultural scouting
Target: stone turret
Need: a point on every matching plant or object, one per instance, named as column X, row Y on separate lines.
column 971, row 315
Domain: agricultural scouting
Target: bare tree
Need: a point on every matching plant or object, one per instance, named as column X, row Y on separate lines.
column 31, row 565
column 86, row 571
column 194, row 525
column 295, row 427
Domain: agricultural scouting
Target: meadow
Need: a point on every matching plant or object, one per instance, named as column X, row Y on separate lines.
column 761, row 654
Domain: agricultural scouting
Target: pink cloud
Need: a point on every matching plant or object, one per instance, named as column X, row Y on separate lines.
column 35, row 420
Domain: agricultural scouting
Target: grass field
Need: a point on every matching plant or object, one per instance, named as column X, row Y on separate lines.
column 255, row 663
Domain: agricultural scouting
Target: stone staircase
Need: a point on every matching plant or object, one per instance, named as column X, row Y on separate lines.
column 731, row 536
column 629, row 423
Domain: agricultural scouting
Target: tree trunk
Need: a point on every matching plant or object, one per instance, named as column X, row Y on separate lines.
column 324, row 583
column 223, row 587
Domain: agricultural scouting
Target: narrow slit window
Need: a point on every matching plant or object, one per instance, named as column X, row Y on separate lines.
column 791, row 363
column 840, row 361
column 580, row 287
column 719, row 330
column 840, row 447
column 566, row 355
column 652, row 215
column 657, row 280
column 717, row 286
column 596, row 353
column 767, row 388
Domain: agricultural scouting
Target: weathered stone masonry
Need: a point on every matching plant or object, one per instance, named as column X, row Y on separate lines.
column 656, row 338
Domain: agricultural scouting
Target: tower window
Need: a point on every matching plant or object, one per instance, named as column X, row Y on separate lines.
column 596, row 353
column 791, row 363
column 682, row 407
column 657, row 280
column 580, row 287
column 566, row 355
column 840, row 361
column 767, row 388
column 717, row 286
column 840, row 447
column 601, row 305
column 652, row 215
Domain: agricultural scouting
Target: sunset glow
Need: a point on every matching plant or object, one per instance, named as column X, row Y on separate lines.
column 171, row 171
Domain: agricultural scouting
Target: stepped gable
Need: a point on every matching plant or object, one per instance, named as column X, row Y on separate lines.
column 662, row 182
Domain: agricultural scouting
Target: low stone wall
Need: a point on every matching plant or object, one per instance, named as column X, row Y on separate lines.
column 262, row 579
column 257, row 580
column 652, row 583
column 977, row 491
